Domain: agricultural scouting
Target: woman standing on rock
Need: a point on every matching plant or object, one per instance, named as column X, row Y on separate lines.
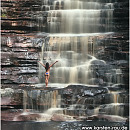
column 47, row 73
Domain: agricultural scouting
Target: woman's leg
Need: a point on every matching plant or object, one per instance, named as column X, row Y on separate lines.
column 46, row 80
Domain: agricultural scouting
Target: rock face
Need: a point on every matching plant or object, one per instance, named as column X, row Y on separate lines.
column 73, row 102
column 19, row 63
column 86, row 100
column 30, row 117
column 116, row 47
column 57, row 117
column 17, row 16
column 108, row 118
column 19, row 55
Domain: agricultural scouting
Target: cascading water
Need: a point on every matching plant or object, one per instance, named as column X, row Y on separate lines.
column 76, row 29
column 89, row 38
column 40, row 100
column 79, row 16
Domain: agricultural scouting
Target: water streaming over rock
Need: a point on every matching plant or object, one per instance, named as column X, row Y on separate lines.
column 40, row 100
column 78, row 16
column 75, row 31
column 88, row 38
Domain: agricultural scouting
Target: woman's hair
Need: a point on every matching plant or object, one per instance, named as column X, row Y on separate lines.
column 47, row 66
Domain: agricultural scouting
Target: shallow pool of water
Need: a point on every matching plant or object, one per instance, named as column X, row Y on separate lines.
column 51, row 125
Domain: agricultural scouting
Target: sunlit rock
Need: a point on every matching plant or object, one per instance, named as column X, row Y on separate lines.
column 57, row 117
column 28, row 117
column 108, row 118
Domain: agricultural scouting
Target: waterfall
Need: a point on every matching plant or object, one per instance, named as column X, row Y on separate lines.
column 74, row 53
column 80, row 17
column 90, row 79
column 40, row 100
column 75, row 30
column 24, row 101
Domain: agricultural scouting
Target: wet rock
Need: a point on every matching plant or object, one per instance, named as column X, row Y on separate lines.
column 93, row 92
column 6, row 55
column 8, row 92
column 28, row 117
column 4, row 107
column 85, row 95
column 121, row 97
column 23, row 45
column 3, row 41
column 58, row 117
column 5, row 101
column 13, row 86
column 111, row 48
column 11, row 97
column 94, row 81
column 8, row 115
column 92, row 117
column 112, row 118
column 19, row 54
column 85, row 90
column 68, row 91
column 98, row 62
column 33, row 80
column 16, row 78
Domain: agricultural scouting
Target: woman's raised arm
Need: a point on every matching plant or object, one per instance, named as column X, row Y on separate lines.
column 53, row 64
column 42, row 64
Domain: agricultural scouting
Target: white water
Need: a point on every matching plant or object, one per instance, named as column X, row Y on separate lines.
column 76, row 16
column 74, row 53
column 75, row 27
column 74, row 33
